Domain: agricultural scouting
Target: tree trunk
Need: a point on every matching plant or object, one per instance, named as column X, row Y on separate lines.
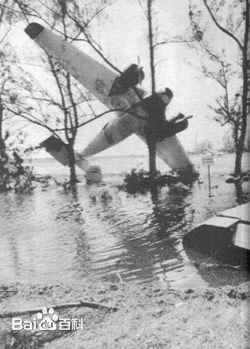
column 247, row 41
column 151, row 143
column 238, row 160
column 72, row 164
column 2, row 143
column 4, row 173
column 152, row 156
column 245, row 94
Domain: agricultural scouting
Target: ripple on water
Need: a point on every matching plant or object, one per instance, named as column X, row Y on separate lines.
column 51, row 236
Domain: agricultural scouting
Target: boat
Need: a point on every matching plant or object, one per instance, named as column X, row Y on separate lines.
column 225, row 237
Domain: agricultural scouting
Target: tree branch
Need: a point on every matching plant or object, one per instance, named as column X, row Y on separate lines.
column 31, row 119
column 224, row 30
column 61, row 306
column 165, row 42
column 93, row 44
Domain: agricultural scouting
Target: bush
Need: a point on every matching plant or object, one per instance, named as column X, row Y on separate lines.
column 139, row 181
column 13, row 174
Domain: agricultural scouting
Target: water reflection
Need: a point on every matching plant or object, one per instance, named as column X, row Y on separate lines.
column 170, row 215
column 52, row 236
column 138, row 238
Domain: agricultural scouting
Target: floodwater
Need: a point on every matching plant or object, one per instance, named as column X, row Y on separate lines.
column 101, row 232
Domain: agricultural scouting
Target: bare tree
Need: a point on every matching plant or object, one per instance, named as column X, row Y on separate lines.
column 66, row 106
column 9, row 137
column 151, row 142
column 233, row 20
column 74, row 21
column 6, row 16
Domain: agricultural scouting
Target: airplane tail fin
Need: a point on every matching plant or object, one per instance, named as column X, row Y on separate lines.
column 55, row 147
column 59, row 150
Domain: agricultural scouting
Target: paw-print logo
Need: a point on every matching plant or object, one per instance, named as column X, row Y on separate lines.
column 47, row 319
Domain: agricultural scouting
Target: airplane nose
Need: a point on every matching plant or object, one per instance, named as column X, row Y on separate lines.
column 33, row 30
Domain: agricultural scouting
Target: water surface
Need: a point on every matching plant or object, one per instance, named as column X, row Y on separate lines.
column 101, row 232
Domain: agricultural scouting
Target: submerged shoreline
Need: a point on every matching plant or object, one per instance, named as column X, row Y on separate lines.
column 149, row 316
column 122, row 251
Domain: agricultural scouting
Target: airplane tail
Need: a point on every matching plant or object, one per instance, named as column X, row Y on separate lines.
column 59, row 150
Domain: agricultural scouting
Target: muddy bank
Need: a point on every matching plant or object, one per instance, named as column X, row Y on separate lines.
column 149, row 316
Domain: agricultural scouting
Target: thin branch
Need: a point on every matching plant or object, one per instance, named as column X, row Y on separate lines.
column 6, row 118
column 21, row 9
column 35, row 14
column 31, row 119
column 58, row 84
column 48, row 8
column 97, row 13
column 225, row 112
column 224, row 30
column 85, row 100
column 4, row 36
column 54, row 130
column 59, row 307
column 2, row 11
column 165, row 42
column 127, row 111
column 73, row 104
column 93, row 44
column 143, row 9
column 11, row 9
column 48, row 100
column 16, row 62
